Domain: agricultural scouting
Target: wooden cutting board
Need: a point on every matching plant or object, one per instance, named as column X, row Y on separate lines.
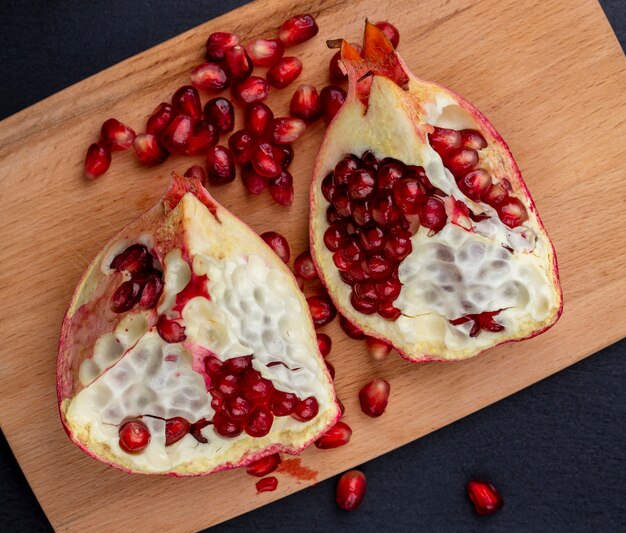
column 549, row 74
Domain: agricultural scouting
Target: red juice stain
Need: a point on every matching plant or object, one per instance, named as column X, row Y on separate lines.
column 294, row 468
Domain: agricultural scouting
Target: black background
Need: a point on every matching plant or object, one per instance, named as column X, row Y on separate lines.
column 557, row 450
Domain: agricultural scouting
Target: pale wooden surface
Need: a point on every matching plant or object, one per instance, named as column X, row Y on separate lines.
column 549, row 74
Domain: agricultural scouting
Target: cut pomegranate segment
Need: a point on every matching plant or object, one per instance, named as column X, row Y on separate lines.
column 374, row 397
column 220, row 112
column 278, row 243
column 149, row 149
column 298, row 29
column 219, row 43
column 305, row 103
column 97, row 160
column 351, row 490
column 265, row 52
column 220, row 165
column 210, row 77
column 284, row 72
column 484, row 496
column 116, row 136
column 252, row 89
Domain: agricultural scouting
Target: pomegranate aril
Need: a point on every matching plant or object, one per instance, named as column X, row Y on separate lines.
column 344, row 168
column 175, row 429
column 264, row 466
column 226, row 426
column 512, row 212
column 264, row 160
column 460, row 162
column 332, row 216
column 170, row 330
column 298, row 29
column 331, row 369
column 324, row 344
column 386, row 309
column 342, row 264
column 372, row 238
column 241, row 143
column 278, row 243
column 285, row 71
column 350, row 490
column 361, row 184
column 220, row 112
column 444, row 140
column 176, row 136
column 305, row 103
column 335, row 72
column 160, row 119
column 369, row 160
column 283, row 403
column 116, row 136
column 134, row 436
column 336, row 436
column 341, row 202
column 265, row 52
column 351, row 250
column 484, row 496
column 357, row 272
column 210, row 77
column 473, row 139
column 212, row 366
column 367, row 307
column 384, row 211
column 286, row 130
column 258, row 118
column 390, row 31
column 304, row 267
column 433, row 214
column 203, row 136
column 366, row 290
column 134, row 259
column 322, row 309
column 219, row 43
column 388, row 289
column 361, row 214
column 151, row 292
column 306, row 409
column 227, row 385
column 220, row 165
column 331, row 100
column 238, row 408
column 255, row 387
column 196, row 430
column 149, row 150
column 351, row 330
column 281, row 189
column 498, row 192
column 252, row 181
column 475, row 184
column 125, row 296
column 252, row 89
column 196, row 171
column 267, row 484
column 186, row 101
column 409, row 194
column 259, row 422
column 378, row 350
column 334, row 236
column 284, row 155
column 238, row 365
column 374, row 397
column 238, row 64
column 97, row 160
column 398, row 246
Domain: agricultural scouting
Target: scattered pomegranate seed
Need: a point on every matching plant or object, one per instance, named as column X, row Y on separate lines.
column 264, row 159
column 220, row 112
column 374, row 396
column 334, row 69
column 378, row 350
column 285, row 71
column 351, row 490
column 160, row 119
column 258, row 118
column 281, row 188
column 286, row 130
column 265, row 52
column 176, row 136
column 116, row 136
column 298, row 29
column 241, row 143
column 175, row 429
column 278, row 243
column 220, row 165
column 218, row 43
column 264, row 466
column 512, row 212
column 322, row 309
column 305, row 103
column 267, row 484
column 351, row 330
column 324, row 344
column 149, row 150
column 134, row 436
column 238, row 63
column 203, row 136
column 331, row 370
column 253, row 182
column 336, row 436
column 97, row 160
column 306, row 409
column 304, row 267
column 473, row 139
column 170, row 330
column 253, row 89
column 284, row 155
column 331, row 100
column 186, row 101
column 484, row 496
column 390, row 31
column 210, row 77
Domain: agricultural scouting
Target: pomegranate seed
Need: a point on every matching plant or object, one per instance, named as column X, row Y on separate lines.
column 372, row 238
column 196, row 171
column 297, row 30
column 220, row 165
column 362, row 305
column 149, row 150
column 475, row 184
column 238, row 365
column 341, row 202
column 384, row 212
column 226, row 426
column 278, row 243
column 285, row 71
column 97, row 160
column 176, row 136
column 361, row 184
column 351, row 251
column 160, row 119
column 125, row 296
column 444, row 140
column 305, row 103
column 253, row 182
column 331, row 100
column 238, row 63
column 374, row 396
column 227, row 385
column 473, row 139
column 409, row 194
column 512, row 212
column 306, row 409
column 151, row 292
column 352, row 331
column 334, row 69
column 498, row 192
column 334, row 236
column 284, row 155
column 351, row 490
column 203, row 136
column 378, row 350
column 265, row 52
column 390, row 31
column 170, row 330
column 238, row 408
column 255, row 387
column 357, row 273
column 241, row 143
column 324, row 344
column 341, row 407
column 264, row 466
column 361, row 213
column 387, row 310
column 344, row 168
column 186, row 101
column 331, row 369
column 210, row 77
column 388, row 289
column 268, row 484
column 366, row 290
column 259, row 422
column 258, row 118
column 332, row 216
column 220, row 113
column 461, row 161
column 322, row 309
column 134, row 436
column 264, row 160
column 388, row 175
column 369, row 160
column 252, row 89
column 398, row 246
column 218, row 43
column 281, row 188
column 286, row 130
column 341, row 263
column 283, row 403
column 433, row 214
column 175, row 429
column 212, row 365
column 484, row 496
column 116, row 136
column 135, row 259
column 304, row 267
column 336, row 436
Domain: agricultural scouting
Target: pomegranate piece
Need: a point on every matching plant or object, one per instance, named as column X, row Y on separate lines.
column 203, row 136
column 238, row 64
column 241, row 143
column 351, row 490
column 210, row 77
column 338, row 435
column 258, row 118
column 305, row 103
column 160, row 119
column 265, row 52
column 252, row 89
column 306, row 409
column 264, row 466
column 196, row 171
column 322, row 309
column 512, row 212
column 97, row 160
column 265, row 160
column 304, row 267
column 253, row 182
column 175, row 429
column 374, row 397
column 220, row 165
column 125, row 297
column 170, row 330
column 484, row 496
column 281, row 188
column 378, row 350
column 267, row 484
column 116, row 136
column 331, row 100
column 286, row 130
column 186, row 101
column 219, row 43
column 176, row 136
column 390, row 31
column 220, row 112
column 278, row 243
column 298, row 29
column 324, row 343
column 149, row 150
column 284, row 72
column 134, row 436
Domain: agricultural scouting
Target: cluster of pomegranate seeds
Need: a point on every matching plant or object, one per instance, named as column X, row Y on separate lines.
column 264, row 466
column 484, row 496
column 350, row 490
column 338, row 435
column 134, row 436
column 374, row 397
column 278, row 243
column 484, row 320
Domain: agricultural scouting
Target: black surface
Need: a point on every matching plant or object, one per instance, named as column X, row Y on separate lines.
column 557, row 450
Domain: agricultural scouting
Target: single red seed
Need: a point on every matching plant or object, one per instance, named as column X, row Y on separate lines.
column 284, row 155
column 175, row 429
column 267, row 484
column 227, row 385
column 398, row 246
column 252, row 181
column 134, row 436
column 334, row 236
column 461, row 161
column 305, row 103
column 298, row 29
column 384, row 211
column 369, row 160
column 220, row 165
column 335, row 71
column 390, row 31
column 284, row 72
column 324, row 344
column 238, row 365
column 135, row 259
column 116, row 136
column 304, row 266
column 378, row 350
column 498, row 192
column 265, row 52
column 218, row 43
column 149, row 149
column 338, row 435
column 409, row 194
column 160, row 119
column 264, row 160
column 151, row 292
column 388, row 289
column 238, row 63
column 220, row 112
column 322, row 309
column 241, row 143
column 361, row 183
column 342, row 264
column 388, row 175
column 278, row 243
column 125, row 296
column 97, row 160
column 210, row 77
column 176, row 136
column 306, row 409
column 264, row 466
column 203, row 136
column 351, row 330
column 252, row 89
column 361, row 213
column 350, row 490
column 196, row 171
column 374, row 397
column 367, row 307
column 286, row 130
column 258, row 118
column 170, row 330
column 484, row 496
column 226, row 426
column 366, row 290
column 475, row 184
column 433, row 214
column 473, row 139
column 283, row 403
column 512, row 212
column 238, row 408
column 331, row 100
column 372, row 238
column 332, row 216
column 344, row 168
column 341, row 202
column 386, row 309
column 281, row 188
column 255, row 387
column 259, row 422
column 444, row 140
column 357, row 273
column 351, row 251
column 212, row 365
column 186, row 101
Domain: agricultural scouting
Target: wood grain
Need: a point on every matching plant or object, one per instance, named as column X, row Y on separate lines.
column 549, row 74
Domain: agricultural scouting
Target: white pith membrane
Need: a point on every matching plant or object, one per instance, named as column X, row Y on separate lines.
column 454, row 272
column 129, row 371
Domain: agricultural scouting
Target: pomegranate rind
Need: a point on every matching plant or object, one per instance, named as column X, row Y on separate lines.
column 187, row 218
column 389, row 111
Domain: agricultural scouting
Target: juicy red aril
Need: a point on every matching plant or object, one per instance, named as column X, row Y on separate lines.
column 283, row 403
column 255, row 387
column 377, row 349
column 334, row 236
column 281, row 189
column 125, row 297
column 252, row 181
column 372, row 239
column 297, row 30
column 351, row 251
column 460, row 162
column 398, row 246
column 227, row 385
column 386, row 309
column 258, row 118
column 196, row 171
column 151, row 292
column 341, row 202
column 409, row 194
column 176, row 136
column 322, row 309
column 324, row 344
column 97, row 160
column 475, row 184
column 444, row 140
column 342, row 264
column 285, row 71
column 220, row 113
column 253, row 89
column 238, row 365
column 361, row 213
column 336, row 436
column 367, row 307
column 240, row 144
column 284, row 155
column 238, row 407
column 210, row 77
column 134, row 259
column 388, row 289
column 388, row 175
column 268, row 484
column 332, row 216
column 186, row 101
column 286, row 130
column 265, row 52
column 203, row 136
column 149, row 149
column 433, row 214
column 220, row 165
column 264, row 160
column 374, row 397
column 175, row 429
column 278, row 243
column 334, row 69
column 331, row 100
column 473, row 139
column 357, row 273
column 512, row 212
column 390, row 31
column 361, row 184
column 384, row 211
column 264, row 466
column 498, row 192
column 344, row 168
column 218, row 43
column 484, row 496
column 305, row 103
column 160, row 119
column 238, row 63
column 116, row 136
column 212, row 365
column 226, row 426
column 350, row 490
column 170, row 330
column 351, row 330
column 134, row 436
column 366, row 290
column 259, row 422
column 217, row 403
column 304, row 267
column 369, row 160
column 306, row 409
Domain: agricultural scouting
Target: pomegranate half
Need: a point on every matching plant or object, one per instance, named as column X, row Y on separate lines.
column 422, row 228
column 188, row 347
